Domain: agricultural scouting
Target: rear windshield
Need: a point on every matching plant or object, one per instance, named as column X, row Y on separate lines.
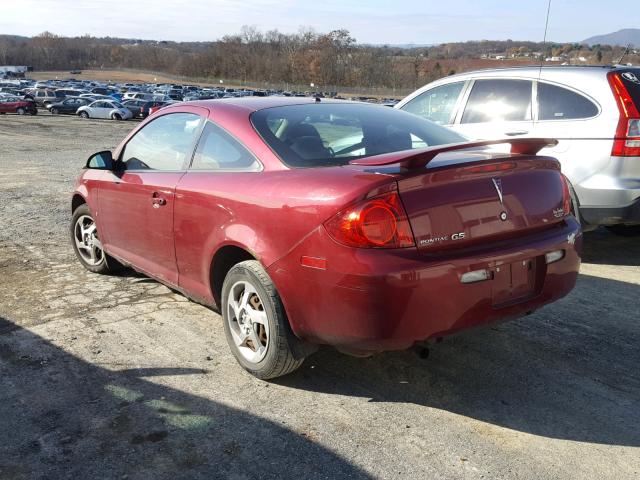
column 327, row 134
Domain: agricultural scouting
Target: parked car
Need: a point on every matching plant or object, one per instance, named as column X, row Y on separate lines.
column 259, row 206
column 69, row 105
column 105, row 109
column 45, row 97
column 10, row 104
column 140, row 108
column 593, row 111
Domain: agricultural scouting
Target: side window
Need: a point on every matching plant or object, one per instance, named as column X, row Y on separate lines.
column 498, row 100
column 162, row 144
column 436, row 104
column 217, row 150
column 557, row 103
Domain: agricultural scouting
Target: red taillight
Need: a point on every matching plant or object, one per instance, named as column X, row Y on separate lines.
column 378, row 222
column 627, row 139
column 566, row 195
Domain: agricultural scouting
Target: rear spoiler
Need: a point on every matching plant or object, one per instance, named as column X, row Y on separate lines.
column 413, row 159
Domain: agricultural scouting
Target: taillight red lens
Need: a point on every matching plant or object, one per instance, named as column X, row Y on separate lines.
column 627, row 140
column 379, row 222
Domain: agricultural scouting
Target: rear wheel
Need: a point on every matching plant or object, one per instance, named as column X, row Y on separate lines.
column 86, row 243
column 83, row 114
column 255, row 322
column 21, row 111
column 625, row 230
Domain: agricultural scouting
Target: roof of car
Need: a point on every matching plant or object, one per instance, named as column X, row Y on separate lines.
column 260, row 103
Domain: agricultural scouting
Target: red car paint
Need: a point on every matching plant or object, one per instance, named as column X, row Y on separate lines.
column 14, row 106
column 359, row 299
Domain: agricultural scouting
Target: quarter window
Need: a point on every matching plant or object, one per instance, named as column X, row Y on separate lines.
column 436, row 104
column 163, row 144
column 217, row 150
column 498, row 100
column 557, row 103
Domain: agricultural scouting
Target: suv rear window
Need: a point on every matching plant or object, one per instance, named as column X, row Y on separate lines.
column 557, row 103
column 326, row 134
column 498, row 100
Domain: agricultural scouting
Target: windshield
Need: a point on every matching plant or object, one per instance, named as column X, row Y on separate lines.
column 316, row 135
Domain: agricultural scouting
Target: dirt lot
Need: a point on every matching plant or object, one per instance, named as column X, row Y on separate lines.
column 118, row 377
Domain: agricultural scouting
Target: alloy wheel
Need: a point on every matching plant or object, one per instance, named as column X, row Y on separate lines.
column 248, row 321
column 86, row 238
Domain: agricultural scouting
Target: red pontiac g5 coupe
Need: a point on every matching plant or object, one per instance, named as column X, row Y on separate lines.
column 313, row 222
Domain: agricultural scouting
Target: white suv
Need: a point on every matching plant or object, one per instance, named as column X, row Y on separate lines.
column 594, row 112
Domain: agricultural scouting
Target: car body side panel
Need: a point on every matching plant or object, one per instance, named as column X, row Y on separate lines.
column 214, row 209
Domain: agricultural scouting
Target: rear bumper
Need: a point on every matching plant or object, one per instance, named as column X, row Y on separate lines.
column 374, row 300
column 629, row 214
column 610, row 196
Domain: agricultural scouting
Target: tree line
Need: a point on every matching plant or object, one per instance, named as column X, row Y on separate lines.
column 325, row 59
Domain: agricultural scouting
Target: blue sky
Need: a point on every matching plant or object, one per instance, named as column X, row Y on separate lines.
column 372, row 21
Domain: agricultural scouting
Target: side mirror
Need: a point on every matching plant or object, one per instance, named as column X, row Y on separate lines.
column 101, row 161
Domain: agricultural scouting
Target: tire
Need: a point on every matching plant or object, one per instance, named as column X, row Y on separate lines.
column 249, row 281
column 86, row 243
column 83, row 114
column 54, row 111
column 116, row 116
column 625, row 230
column 21, row 111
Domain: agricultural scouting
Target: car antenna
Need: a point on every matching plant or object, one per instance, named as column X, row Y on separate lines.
column 624, row 54
column 544, row 40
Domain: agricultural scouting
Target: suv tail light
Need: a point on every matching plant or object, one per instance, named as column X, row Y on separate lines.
column 627, row 140
column 378, row 222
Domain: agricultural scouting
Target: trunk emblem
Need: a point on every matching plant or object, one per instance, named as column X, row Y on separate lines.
column 503, row 216
column 498, row 184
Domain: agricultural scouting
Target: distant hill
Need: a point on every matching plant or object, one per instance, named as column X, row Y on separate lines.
column 621, row 37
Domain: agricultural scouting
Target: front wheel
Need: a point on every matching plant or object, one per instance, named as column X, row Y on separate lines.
column 116, row 116
column 86, row 243
column 21, row 111
column 625, row 230
column 54, row 111
column 255, row 323
column 83, row 114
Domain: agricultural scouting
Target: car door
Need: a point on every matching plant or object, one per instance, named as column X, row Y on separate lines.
column 136, row 204
column 497, row 108
column 4, row 105
column 207, row 199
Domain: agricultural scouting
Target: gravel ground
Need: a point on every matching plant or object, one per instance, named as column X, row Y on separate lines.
column 119, row 377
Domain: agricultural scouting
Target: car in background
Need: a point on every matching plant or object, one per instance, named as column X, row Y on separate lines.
column 105, row 109
column 141, row 108
column 594, row 112
column 69, row 105
column 44, row 97
column 330, row 222
column 160, row 105
column 12, row 104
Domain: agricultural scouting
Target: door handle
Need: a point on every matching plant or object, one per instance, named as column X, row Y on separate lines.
column 515, row 133
column 157, row 201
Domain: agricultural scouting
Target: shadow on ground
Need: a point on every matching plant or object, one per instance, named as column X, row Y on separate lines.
column 61, row 417
column 604, row 248
column 569, row 371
